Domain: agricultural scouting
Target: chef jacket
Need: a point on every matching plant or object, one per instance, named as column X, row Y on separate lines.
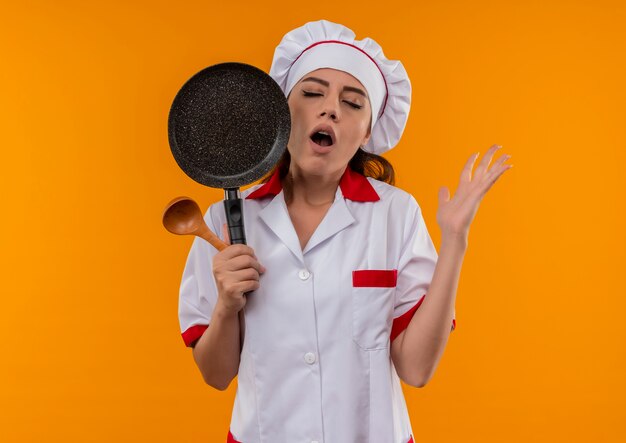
column 315, row 364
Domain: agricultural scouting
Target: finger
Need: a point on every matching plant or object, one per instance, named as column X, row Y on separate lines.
column 241, row 287
column 497, row 167
column 239, row 250
column 465, row 180
column 444, row 195
column 484, row 164
column 497, row 164
column 247, row 286
column 236, row 250
column 497, row 175
column 243, row 262
column 245, row 274
column 466, row 173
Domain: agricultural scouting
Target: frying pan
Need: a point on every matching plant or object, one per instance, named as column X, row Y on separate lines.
column 228, row 126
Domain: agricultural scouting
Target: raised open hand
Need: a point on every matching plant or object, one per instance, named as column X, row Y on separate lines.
column 455, row 215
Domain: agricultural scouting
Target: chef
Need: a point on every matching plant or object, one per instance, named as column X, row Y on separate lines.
column 342, row 290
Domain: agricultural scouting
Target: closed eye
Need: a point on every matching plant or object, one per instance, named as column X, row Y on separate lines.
column 354, row 105
column 314, row 94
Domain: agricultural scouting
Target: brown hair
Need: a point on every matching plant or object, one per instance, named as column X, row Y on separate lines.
column 366, row 163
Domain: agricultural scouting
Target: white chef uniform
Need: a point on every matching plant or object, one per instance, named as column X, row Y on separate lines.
column 315, row 364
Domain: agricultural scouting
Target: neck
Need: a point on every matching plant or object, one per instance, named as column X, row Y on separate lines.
column 314, row 190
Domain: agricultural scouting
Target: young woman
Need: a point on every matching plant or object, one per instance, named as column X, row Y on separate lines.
column 337, row 264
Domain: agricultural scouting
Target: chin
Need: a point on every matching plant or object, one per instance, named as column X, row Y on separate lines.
column 314, row 163
column 316, row 166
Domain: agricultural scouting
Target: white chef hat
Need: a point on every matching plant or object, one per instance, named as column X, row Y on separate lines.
column 323, row 44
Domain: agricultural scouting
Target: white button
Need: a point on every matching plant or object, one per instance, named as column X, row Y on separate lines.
column 303, row 274
column 309, row 357
column 314, row 441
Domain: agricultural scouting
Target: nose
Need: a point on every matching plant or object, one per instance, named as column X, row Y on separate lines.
column 332, row 114
column 330, row 107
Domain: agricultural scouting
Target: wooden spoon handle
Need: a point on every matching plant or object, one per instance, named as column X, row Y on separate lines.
column 209, row 236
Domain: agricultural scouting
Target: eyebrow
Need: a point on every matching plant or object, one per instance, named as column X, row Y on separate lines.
column 325, row 83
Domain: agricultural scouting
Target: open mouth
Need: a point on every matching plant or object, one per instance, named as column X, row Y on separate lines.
column 322, row 138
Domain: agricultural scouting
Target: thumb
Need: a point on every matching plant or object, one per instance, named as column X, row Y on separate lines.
column 225, row 235
column 444, row 195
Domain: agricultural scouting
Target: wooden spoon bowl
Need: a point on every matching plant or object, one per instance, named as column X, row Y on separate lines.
column 182, row 216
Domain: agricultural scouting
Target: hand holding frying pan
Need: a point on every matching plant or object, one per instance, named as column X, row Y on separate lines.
column 228, row 127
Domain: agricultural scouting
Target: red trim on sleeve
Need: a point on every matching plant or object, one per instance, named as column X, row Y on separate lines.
column 401, row 323
column 193, row 333
column 231, row 439
column 374, row 278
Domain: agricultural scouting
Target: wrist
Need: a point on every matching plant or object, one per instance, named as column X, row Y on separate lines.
column 454, row 240
column 224, row 312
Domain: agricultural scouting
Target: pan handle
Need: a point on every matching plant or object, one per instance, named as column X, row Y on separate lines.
column 233, row 205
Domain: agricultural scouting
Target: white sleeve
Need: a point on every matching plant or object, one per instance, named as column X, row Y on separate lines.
column 198, row 291
column 415, row 270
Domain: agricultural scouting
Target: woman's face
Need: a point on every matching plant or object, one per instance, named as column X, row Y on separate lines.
column 335, row 103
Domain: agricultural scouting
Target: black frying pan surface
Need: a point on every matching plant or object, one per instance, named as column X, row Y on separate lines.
column 229, row 125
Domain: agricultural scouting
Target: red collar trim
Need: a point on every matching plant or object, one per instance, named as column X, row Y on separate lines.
column 272, row 187
column 354, row 186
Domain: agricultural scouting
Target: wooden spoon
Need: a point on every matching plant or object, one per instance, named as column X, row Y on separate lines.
column 182, row 216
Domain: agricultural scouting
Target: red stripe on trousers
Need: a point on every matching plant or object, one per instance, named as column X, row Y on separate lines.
column 231, row 439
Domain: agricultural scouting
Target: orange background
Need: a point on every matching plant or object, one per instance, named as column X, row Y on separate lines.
column 90, row 341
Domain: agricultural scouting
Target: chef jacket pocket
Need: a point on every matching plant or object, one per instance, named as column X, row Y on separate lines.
column 372, row 307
